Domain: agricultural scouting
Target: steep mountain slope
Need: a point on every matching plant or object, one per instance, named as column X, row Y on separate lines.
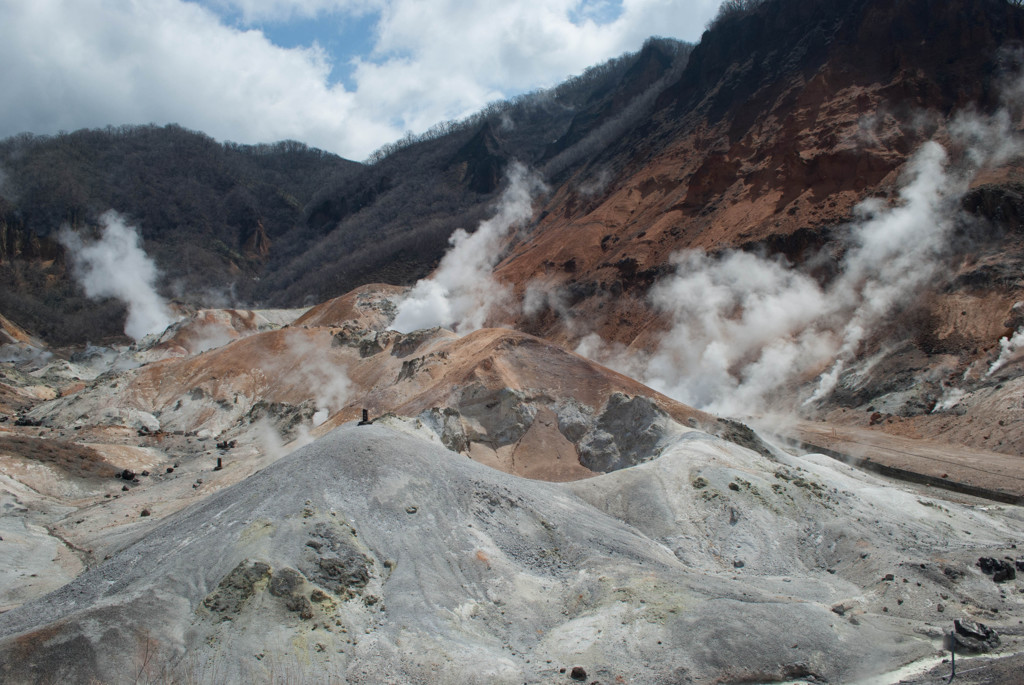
column 785, row 117
column 798, row 140
column 393, row 223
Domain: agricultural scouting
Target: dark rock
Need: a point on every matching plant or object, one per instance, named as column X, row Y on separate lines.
column 889, row 577
column 300, row 605
column 744, row 436
column 578, row 673
column 144, row 512
column 127, row 474
column 170, row 469
column 1000, row 570
column 626, row 433
column 976, row 638
column 124, row 488
column 1020, row 564
column 236, row 588
column 953, row 573
column 369, row 347
column 334, row 562
column 285, row 582
column 144, row 474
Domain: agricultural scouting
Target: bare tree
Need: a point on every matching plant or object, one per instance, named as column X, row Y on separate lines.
column 732, row 8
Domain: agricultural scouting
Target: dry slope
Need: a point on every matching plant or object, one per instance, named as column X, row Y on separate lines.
column 372, row 555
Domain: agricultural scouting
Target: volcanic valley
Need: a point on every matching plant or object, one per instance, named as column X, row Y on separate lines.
column 706, row 366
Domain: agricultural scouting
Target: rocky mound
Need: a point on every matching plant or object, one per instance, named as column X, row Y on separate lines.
column 505, row 398
column 371, row 555
column 207, row 329
column 368, row 307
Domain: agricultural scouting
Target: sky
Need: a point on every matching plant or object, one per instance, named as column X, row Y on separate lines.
column 346, row 76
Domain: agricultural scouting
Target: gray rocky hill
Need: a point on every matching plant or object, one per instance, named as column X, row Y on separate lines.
column 373, row 555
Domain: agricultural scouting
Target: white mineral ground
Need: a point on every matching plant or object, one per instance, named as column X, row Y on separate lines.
column 375, row 554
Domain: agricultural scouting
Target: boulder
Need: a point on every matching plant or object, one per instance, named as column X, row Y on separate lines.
column 972, row 637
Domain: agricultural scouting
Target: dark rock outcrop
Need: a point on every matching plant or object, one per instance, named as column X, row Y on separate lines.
column 1000, row 570
column 972, row 637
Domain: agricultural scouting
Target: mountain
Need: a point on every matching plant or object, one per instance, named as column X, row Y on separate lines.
column 787, row 115
column 792, row 144
column 720, row 383
column 210, row 215
column 281, row 224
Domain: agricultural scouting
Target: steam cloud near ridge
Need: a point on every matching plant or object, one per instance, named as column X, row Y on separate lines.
column 462, row 292
column 117, row 266
column 745, row 327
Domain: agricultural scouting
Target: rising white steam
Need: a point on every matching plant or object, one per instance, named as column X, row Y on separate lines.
column 739, row 326
column 1009, row 347
column 950, row 398
column 325, row 381
column 462, row 292
column 1008, row 350
column 117, row 266
column 746, row 330
column 897, row 250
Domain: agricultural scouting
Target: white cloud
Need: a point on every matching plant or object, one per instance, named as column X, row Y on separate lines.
column 87, row 64
column 253, row 11
column 70, row 64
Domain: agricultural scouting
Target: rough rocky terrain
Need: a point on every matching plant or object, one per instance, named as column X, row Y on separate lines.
column 373, row 555
column 661, row 548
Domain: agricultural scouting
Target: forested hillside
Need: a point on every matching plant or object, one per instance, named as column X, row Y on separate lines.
column 285, row 224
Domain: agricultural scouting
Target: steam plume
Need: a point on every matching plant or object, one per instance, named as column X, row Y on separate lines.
column 746, row 330
column 1008, row 349
column 327, row 383
column 117, row 266
column 462, row 292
